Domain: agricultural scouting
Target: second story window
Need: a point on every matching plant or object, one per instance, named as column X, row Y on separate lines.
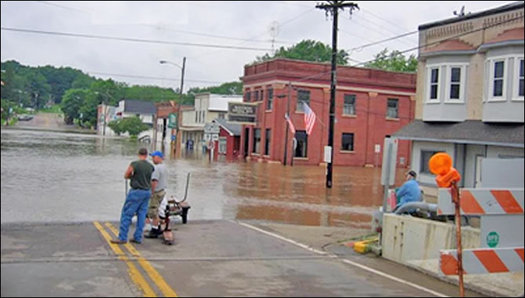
column 519, row 89
column 269, row 102
column 455, row 82
column 303, row 96
column 392, row 108
column 498, row 78
column 434, row 84
column 349, row 104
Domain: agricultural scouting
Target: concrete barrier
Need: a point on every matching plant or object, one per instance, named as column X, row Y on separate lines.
column 406, row 238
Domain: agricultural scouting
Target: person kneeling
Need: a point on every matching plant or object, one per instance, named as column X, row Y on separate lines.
column 164, row 216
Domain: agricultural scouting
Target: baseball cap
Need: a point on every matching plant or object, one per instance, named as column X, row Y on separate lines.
column 412, row 173
column 157, row 153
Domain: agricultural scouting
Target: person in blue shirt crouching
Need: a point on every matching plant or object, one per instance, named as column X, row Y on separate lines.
column 409, row 191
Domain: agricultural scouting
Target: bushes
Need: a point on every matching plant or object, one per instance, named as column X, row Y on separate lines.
column 132, row 125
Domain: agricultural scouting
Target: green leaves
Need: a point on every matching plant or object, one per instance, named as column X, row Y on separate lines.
column 132, row 125
column 395, row 61
column 308, row 50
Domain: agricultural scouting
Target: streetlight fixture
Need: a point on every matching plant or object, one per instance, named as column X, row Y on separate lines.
column 177, row 136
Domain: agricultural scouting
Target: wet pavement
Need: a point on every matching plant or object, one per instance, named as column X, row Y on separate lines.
column 209, row 258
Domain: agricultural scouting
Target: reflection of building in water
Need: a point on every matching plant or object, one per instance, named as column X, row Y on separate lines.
column 369, row 105
column 298, row 196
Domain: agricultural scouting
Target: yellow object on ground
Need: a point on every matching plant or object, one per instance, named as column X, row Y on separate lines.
column 364, row 246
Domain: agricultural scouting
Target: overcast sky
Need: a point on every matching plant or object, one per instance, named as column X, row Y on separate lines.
column 126, row 40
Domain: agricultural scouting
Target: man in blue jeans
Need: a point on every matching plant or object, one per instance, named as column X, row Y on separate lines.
column 139, row 172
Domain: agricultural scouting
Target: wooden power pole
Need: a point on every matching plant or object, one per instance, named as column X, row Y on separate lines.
column 332, row 7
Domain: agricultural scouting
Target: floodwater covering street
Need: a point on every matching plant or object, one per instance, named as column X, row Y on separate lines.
column 65, row 177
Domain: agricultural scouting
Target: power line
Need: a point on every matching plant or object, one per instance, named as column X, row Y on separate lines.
column 152, row 78
column 450, row 38
column 132, row 39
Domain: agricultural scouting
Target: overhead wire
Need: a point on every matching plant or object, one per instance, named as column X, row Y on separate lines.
column 132, row 39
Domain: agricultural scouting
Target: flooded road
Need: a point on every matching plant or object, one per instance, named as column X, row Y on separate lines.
column 66, row 177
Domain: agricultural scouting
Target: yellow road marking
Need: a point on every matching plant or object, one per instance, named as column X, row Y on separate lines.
column 134, row 273
column 153, row 274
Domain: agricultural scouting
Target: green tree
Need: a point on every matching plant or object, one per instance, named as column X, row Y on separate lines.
column 59, row 79
column 308, row 50
column 133, row 125
column 72, row 100
column 393, row 61
column 116, row 126
column 88, row 109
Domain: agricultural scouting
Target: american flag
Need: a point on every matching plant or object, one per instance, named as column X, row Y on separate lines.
column 292, row 128
column 309, row 118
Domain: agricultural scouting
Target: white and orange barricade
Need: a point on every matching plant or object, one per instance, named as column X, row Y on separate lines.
column 501, row 234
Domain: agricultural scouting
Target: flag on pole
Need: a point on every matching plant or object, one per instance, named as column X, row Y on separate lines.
column 309, row 118
column 292, row 128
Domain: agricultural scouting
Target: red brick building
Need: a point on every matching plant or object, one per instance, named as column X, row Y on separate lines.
column 369, row 105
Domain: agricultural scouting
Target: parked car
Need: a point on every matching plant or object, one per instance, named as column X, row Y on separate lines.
column 25, row 117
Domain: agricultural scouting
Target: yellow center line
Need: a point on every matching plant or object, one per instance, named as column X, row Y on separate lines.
column 134, row 273
column 166, row 290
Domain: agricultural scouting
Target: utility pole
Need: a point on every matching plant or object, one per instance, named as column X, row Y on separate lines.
column 332, row 7
column 178, row 136
column 176, row 144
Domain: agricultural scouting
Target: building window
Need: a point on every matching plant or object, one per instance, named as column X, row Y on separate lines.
column 248, row 96
column 519, row 88
column 222, row 145
column 455, row 82
column 267, row 142
column 269, row 102
column 498, row 78
column 256, row 140
column 256, row 95
column 303, row 96
column 222, row 115
column 302, row 144
column 347, row 142
column 349, row 104
column 392, row 108
column 434, row 84
column 425, row 157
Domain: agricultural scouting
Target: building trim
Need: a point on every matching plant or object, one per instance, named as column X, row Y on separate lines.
column 342, row 88
column 458, row 141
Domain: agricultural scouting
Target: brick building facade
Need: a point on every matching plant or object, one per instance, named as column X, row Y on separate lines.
column 369, row 105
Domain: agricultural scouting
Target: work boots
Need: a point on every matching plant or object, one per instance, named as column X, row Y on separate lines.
column 154, row 232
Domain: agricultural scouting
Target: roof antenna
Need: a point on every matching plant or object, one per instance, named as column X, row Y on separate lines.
column 461, row 12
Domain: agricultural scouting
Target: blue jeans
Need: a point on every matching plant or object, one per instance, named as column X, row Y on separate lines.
column 137, row 202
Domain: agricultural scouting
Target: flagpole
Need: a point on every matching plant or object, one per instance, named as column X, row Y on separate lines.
column 287, row 126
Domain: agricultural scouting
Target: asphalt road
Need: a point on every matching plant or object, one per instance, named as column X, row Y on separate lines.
column 209, row 258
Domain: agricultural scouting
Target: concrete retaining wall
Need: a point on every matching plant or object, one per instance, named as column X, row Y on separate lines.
column 406, row 238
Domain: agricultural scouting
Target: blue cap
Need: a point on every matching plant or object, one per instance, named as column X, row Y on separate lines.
column 157, row 153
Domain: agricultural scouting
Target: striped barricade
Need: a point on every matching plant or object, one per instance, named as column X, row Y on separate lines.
column 501, row 232
column 479, row 201
column 482, row 260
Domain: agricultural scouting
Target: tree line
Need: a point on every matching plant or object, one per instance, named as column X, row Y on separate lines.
column 79, row 94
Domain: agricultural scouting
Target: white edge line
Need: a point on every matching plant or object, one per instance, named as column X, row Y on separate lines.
column 344, row 260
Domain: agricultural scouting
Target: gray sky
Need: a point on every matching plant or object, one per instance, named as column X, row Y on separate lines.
column 217, row 38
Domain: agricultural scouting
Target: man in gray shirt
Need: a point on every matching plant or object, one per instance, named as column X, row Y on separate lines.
column 159, row 183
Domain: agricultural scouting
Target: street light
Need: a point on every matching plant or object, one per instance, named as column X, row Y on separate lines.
column 177, row 140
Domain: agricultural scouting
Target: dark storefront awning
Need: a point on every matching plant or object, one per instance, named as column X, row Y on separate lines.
column 466, row 132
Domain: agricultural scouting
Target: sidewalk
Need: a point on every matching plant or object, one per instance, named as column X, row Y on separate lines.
column 334, row 238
